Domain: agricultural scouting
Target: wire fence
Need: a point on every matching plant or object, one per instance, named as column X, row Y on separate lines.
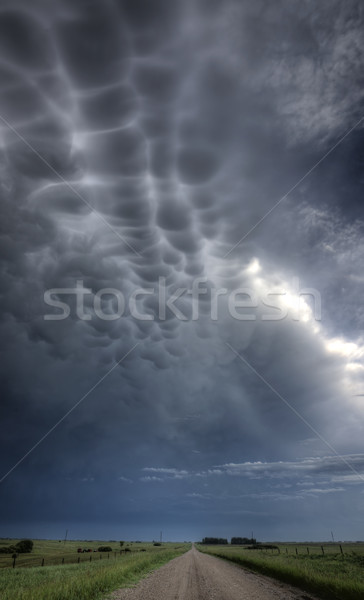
column 66, row 559
column 298, row 550
column 314, row 550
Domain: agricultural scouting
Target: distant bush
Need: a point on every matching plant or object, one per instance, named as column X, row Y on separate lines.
column 213, row 541
column 7, row 549
column 157, row 544
column 24, row 546
column 121, row 543
column 127, row 550
column 104, row 549
column 20, row 548
column 262, row 547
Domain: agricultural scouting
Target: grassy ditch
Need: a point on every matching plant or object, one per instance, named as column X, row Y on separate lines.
column 332, row 575
column 87, row 580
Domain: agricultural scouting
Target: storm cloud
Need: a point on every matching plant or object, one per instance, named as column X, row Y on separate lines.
column 192, row 172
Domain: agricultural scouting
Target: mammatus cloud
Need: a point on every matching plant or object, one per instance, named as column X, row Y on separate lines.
column 140, row 143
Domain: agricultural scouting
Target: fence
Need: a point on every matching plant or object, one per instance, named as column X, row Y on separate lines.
column 69, row 559
column 302, row 549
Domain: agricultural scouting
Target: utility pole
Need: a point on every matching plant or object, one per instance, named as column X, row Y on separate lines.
column 65, row 537
column 332, row 535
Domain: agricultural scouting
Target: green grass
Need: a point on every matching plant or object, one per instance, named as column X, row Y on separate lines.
column 331, row 576
column 53, row 551
column 84, row 581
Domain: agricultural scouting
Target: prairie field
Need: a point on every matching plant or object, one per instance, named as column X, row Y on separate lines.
column 324, row 569
column 54, row 551
column 86, row 580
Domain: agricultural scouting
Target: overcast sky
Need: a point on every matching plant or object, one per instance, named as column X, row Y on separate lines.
column 171, row 161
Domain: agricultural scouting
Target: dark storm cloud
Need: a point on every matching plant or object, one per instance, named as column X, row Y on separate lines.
column 143, row 140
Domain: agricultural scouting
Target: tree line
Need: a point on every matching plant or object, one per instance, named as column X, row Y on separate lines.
column 237, row 541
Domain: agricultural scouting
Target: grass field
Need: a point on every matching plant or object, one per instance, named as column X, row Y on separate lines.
column 84, row 581
column 332, row 576
column 53, row 551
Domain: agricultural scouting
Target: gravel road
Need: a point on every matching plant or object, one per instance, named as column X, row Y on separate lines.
column 197, row 576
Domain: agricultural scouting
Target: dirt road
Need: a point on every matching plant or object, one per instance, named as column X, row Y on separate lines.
column 197, row 576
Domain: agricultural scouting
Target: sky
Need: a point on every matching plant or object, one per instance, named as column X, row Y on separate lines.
column 182, row 269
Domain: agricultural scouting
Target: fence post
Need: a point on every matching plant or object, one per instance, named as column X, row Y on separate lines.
column 341, row 550
column 308, row 552
column 63, row 561
column 322, row 550
column 296, row 551
column 286, row 550
column 14, row 560
column 42, row 562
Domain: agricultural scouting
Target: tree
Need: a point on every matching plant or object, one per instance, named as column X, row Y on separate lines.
column 214, row 541
column 24, row 546
column 20, row 548
column 121, row 544
column 240, row 541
